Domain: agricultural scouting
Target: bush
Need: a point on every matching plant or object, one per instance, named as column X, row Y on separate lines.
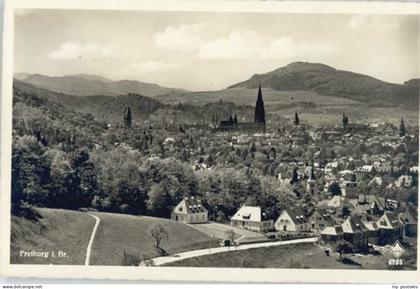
column 28, row 212
column 130, row 259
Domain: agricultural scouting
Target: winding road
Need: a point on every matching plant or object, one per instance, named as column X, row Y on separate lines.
column 196, row 253
column 92, row 237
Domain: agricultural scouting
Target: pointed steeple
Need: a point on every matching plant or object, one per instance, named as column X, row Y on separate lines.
column 402, row 128
column 259, row 108
column 297, row 121
column 312, row 176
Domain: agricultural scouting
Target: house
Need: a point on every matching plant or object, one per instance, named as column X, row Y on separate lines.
column 319, row 220
column 190, row 211
column 390, row 228
column 335, row 202
column 373, row 232
column 376, row 181
column 348, row 189
column 251, row 218
column 356, row 233
column 292, row 220
column 332, row 235
column 404, row 181
column 370, row 204
column 410, row 223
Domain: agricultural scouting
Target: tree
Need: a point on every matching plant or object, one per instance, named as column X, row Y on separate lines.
column 252, row 148
column 159, row 234
column 345, row 211
column 343, row 248
column 335, row 189
column 159, row 201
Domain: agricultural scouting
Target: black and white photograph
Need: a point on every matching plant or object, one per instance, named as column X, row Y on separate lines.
column 214, row 139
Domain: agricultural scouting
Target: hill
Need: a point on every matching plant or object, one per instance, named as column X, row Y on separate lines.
column 107, row 108
column 70, row 231
column 415, row 82
column 56, row 230
column 327, row 80
column 85, row 84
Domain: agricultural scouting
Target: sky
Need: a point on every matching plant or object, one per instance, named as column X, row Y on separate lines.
column 208, row 50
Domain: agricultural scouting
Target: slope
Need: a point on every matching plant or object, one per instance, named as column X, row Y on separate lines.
column 327, row 80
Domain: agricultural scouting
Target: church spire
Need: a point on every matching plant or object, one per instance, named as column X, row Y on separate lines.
column 259, row 108
column 312, row 176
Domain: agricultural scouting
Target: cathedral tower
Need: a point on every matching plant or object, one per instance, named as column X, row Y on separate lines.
column 259, row 108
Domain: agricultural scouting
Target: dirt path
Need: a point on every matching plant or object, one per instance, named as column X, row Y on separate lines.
column 92, row 237
column 196, row 253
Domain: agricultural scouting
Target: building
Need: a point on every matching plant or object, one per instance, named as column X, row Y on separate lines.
column 410, row 223
column 356, row 233
column 370, row 204
column 332, row 235
column 319, row 220
column 190, row 211
column 404, row 181
column 390, row 228
column 292, row 220
column 258, row 126
column 311, row 187
column 251, row 218
column 348, row 189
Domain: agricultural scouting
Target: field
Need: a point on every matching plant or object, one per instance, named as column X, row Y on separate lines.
column 68, row 231
column 292, row 256
column 118, row 233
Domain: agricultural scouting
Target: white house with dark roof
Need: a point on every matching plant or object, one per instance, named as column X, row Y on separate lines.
column 251, row 218
column 292, row 220
column 190, row 211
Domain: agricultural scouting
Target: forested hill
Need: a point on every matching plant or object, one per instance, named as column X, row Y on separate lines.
column 36, row 113
column 327, row 80
column 105, row 108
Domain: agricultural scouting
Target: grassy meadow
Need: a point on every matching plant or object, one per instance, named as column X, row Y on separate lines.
column 119, row 233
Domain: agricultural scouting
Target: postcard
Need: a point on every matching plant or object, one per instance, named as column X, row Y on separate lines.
column 242, row 141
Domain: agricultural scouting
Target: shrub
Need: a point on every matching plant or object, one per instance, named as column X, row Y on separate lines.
column 130, row 259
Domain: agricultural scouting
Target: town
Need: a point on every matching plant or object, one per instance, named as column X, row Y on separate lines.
column 355, row 184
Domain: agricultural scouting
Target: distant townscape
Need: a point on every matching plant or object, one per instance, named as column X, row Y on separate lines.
column 314, row 177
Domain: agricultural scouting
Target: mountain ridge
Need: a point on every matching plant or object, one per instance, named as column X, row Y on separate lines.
column 88, row 84
column 326, row 80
